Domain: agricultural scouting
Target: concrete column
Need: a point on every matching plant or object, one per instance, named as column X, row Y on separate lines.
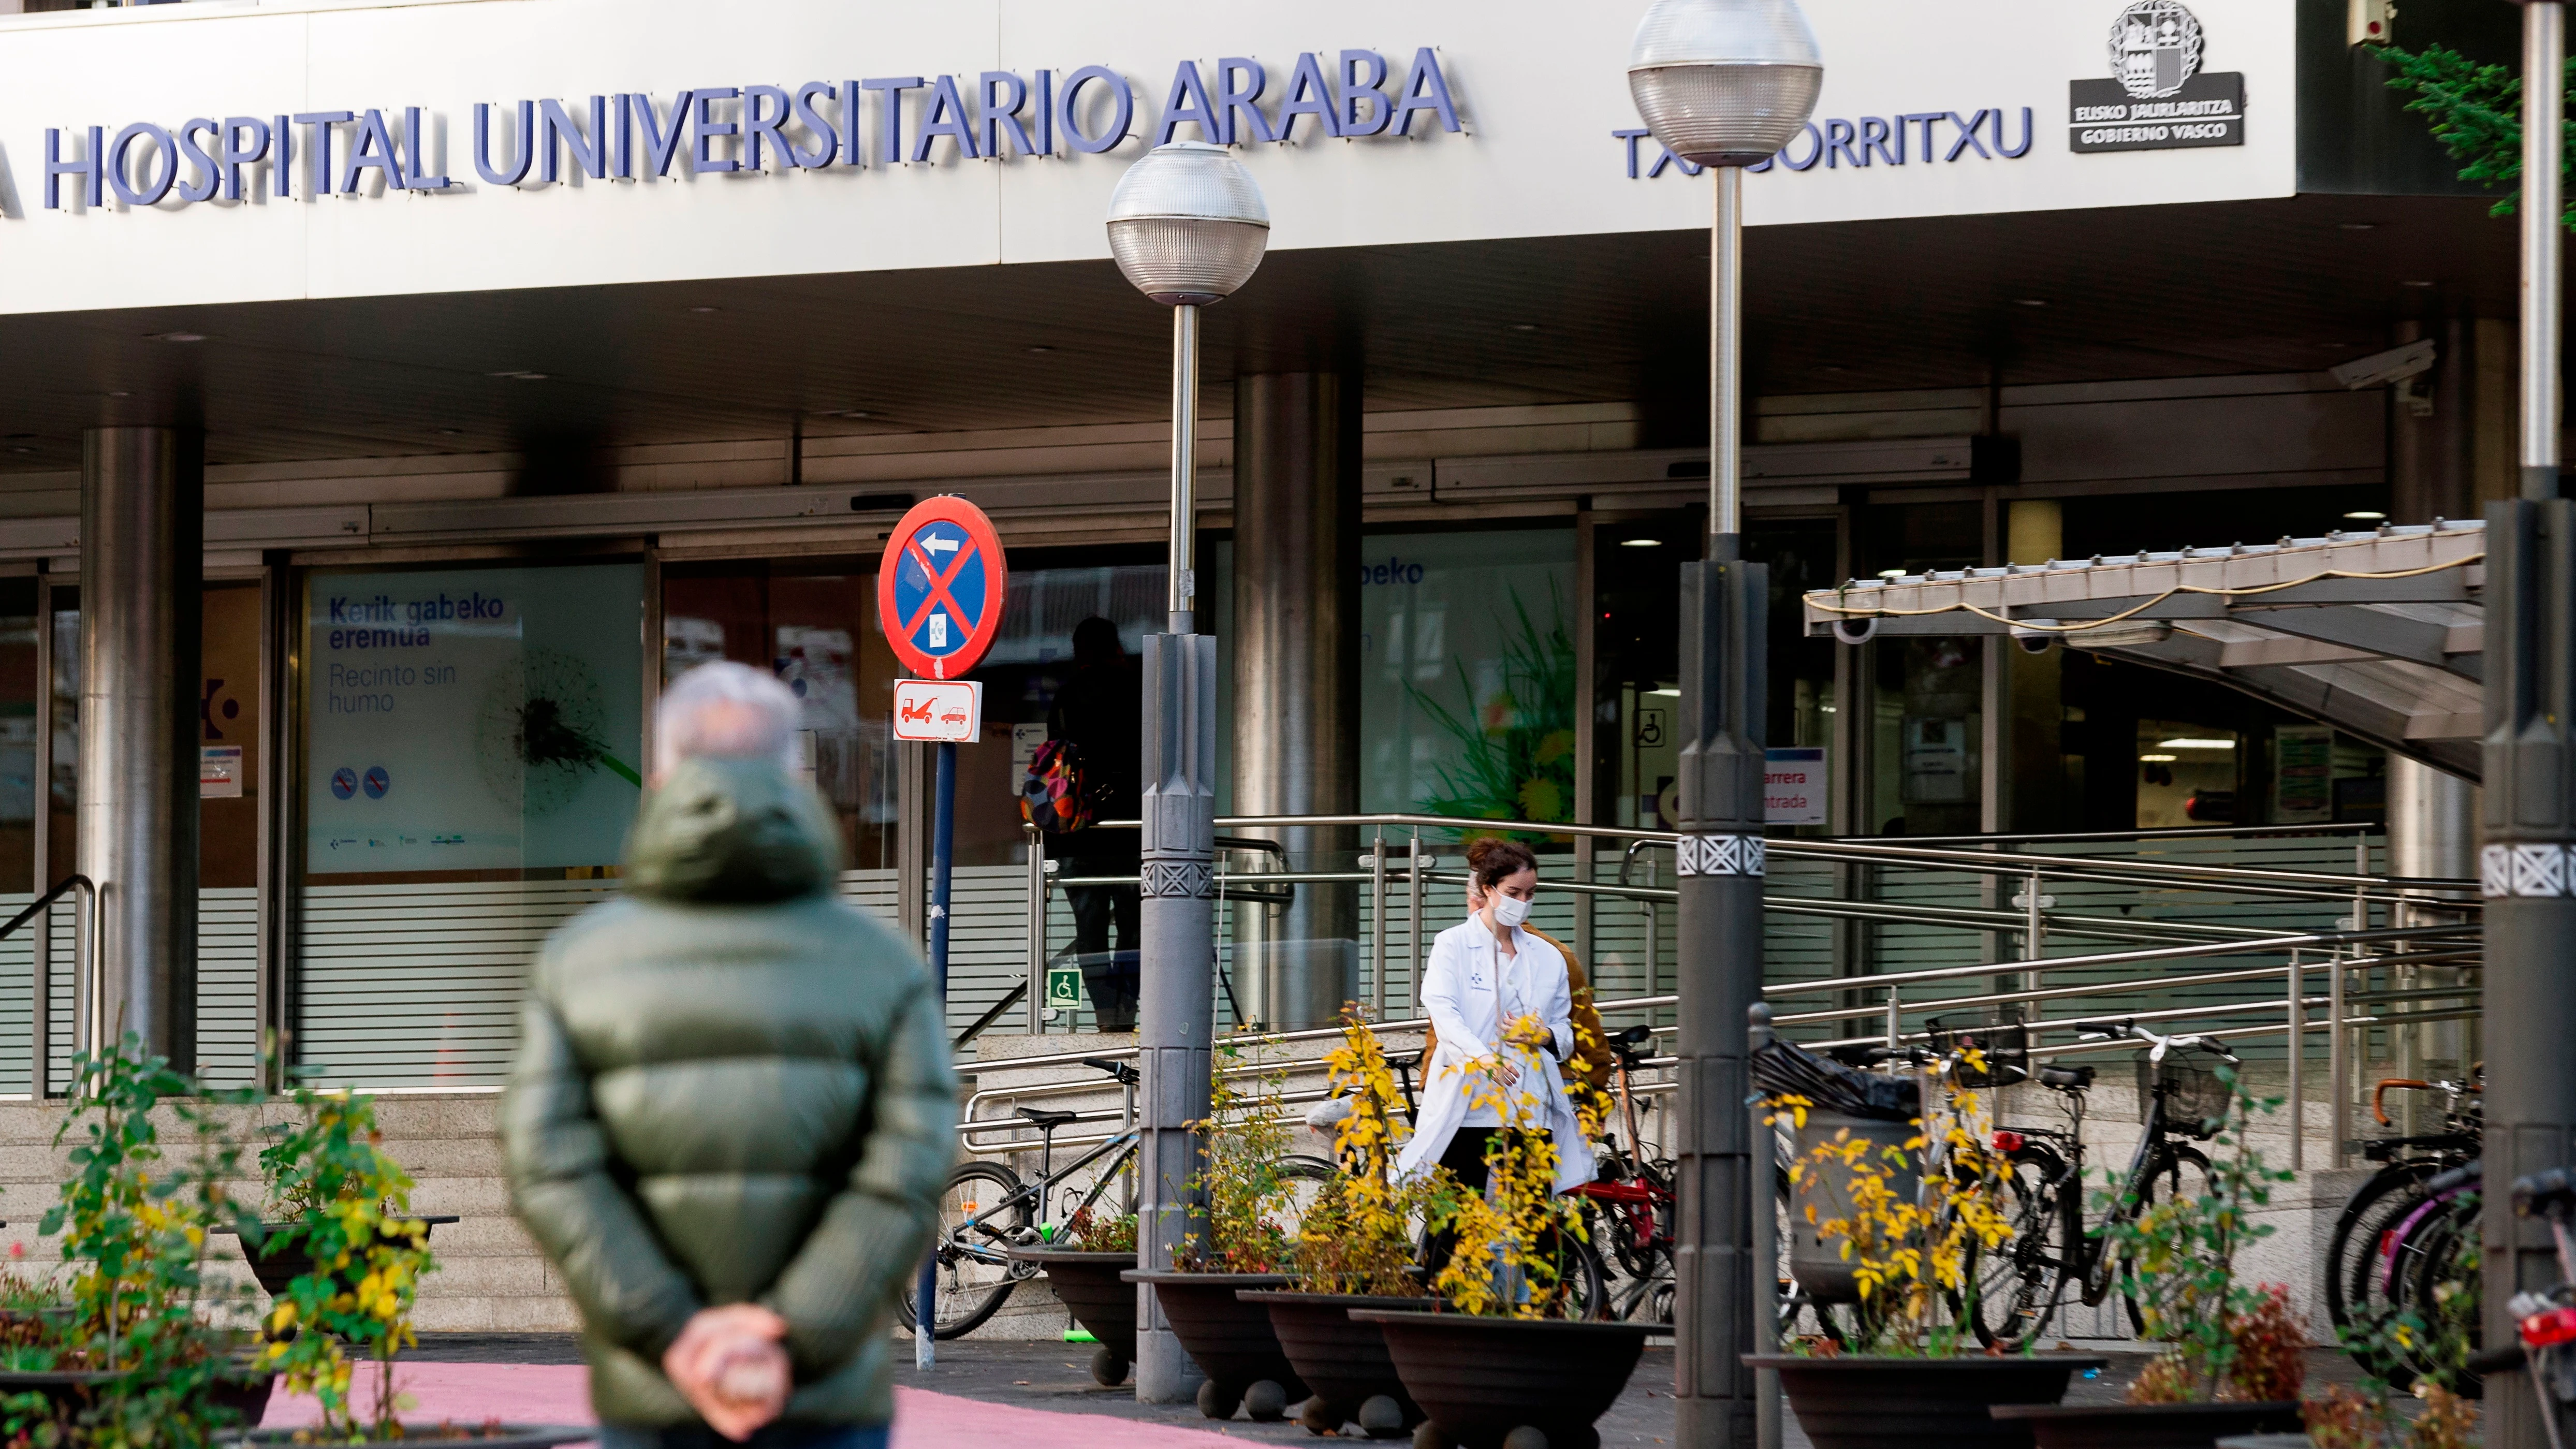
column 142, row 556
column 1296, row 686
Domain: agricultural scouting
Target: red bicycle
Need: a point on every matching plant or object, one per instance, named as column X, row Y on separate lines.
column 1629, row 1205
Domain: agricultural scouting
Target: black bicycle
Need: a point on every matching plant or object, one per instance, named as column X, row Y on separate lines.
column 2406, row 1231
column 987, row 1210
column 2021, row 1286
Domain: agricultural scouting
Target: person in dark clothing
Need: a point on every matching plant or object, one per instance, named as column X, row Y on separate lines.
column 1101, row 709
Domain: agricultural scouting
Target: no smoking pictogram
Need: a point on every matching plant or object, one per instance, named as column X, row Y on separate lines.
column 940, row 588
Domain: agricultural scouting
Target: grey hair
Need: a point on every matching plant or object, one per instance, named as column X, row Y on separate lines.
column 730, row 711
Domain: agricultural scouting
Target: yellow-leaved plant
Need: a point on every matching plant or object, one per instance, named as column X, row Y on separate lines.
column 1251, row 1206
column 1358, row 1237
column 1912, row 1254
column 1518, row 1239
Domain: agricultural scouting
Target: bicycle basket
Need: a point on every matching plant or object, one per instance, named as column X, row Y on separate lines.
column 2196, row 1101
column 2003, row 1043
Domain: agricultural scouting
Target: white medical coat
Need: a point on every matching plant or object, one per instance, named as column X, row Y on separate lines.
column 1470, row 990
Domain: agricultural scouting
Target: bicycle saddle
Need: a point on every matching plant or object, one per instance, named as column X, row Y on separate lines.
column 2066, row 1078
column 1044, row 1118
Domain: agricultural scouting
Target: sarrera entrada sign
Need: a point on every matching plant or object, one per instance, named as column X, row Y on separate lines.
column 634, row 136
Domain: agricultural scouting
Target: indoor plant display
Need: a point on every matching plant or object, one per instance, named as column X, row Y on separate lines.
column 1248, row 1243
column 1355, row 1249
column 2233, row 1362
column 1083, row 1265
column 1909, row 1215
column 1496, row 1359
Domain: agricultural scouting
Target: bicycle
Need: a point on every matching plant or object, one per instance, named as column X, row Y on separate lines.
column 2358, row 1251
column 2021, row 1288
column 1636, row 1198
column 987, row 1209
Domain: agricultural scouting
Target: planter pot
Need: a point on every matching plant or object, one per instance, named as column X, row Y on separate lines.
column 496, row 1436
column 1343, row 1359
column 1481, row 1378
column 64, row 1388
column 245, row 1391
column 1231, row 1340
column 277, row 1267
column 1089, row 1285
column 2151, row 1426
column 1926, row 1403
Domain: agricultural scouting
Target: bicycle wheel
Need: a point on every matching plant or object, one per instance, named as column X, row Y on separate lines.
column 2433, row 1257
column 2174, row 1172
column 2017, row 1283
column 2355, row 1284
column 981, row 1214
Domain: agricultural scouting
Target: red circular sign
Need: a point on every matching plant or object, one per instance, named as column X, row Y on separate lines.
column 940, row 588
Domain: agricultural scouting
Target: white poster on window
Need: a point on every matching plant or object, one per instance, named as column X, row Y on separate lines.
column 1793, row 787
column 473, row 719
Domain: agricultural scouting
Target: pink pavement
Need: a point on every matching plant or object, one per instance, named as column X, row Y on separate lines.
column 560, row 1394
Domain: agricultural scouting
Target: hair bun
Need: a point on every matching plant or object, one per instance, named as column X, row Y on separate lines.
column 1491, row 859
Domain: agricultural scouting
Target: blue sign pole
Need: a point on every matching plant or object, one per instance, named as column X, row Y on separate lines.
column 943, row 842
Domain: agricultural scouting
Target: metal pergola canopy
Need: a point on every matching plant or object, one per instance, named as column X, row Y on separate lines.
column 2378, row 633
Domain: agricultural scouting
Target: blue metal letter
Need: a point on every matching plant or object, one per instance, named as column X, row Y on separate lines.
column 850, row 124
column 890, row 114
column 1413, row 96
column 1044, row 113
column 1004, row 114
column 1309, row 94
column 1242, row 102
column 321, row 122
column 1630, row 136
column 415, row 175
column 1188, row 104
column 281, row 155
column 704, row 128
column 760, row 131
column 235, row 157
column 2012, row 153
column 523, row 152
column 817, row 127
column 56, row 168
column 1968, row 135
column 1354, row 90
column 1815, row 151
column 946, row 116
column 556, row 131
column 1068, row 108
column 373, row 145
column 197, row 156
column 120, row 176
column 660, row 146
column 1838, row 143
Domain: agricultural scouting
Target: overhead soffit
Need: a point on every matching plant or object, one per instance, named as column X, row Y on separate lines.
column 2129, row 293
column 2380, row 634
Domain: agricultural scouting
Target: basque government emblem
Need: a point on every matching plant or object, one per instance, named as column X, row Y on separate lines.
column 2155, row 48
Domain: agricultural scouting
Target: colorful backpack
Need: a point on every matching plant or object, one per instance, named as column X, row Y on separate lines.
column 1052, row 796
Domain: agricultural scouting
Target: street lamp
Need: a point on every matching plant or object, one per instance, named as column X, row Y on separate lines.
column 1722, row 84
column 1188, row 228
column 2528, row 835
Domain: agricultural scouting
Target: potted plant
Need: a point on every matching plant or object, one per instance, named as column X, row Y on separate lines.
column 365, row 1256
column 2430, row 1349
column 1083, row 1265
column 140, row 1356
column 2233, row 1363
column 1909, row 1212
column 307, row 1169
column 1497, row 1358
column 1355, row 1249
column 1249, row 1243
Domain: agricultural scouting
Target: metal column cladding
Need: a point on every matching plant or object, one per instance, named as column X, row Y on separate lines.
column 142, row 552
column 1176, row 1002
column 1718, row 976
column 1297, row 696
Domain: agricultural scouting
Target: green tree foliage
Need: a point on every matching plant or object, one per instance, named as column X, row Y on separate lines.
column 2475, row 112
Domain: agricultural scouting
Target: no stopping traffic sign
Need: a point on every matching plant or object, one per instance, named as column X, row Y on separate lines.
column 940, row 588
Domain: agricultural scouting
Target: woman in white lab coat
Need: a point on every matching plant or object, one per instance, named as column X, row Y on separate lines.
column 1484, row 974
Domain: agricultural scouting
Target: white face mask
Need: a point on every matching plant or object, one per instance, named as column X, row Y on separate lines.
column 1509, row 911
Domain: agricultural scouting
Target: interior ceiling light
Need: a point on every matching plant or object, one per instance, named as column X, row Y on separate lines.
column 2415, row 284
column 1041, row 347
column 1641, row 543
column 2364, row 515
column 174, row 336
column 1673, row 692
column 2360, row 226
column 2193, row 744
column 1891, row 573
column 120, row 394
column 1524, row 327
column 2157, row 759
column 2030, row 301
column 518, row 374
column 702, row 311
column 452, row 432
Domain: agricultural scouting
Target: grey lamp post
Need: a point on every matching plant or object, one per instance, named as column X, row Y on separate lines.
column 1188, row 228
column 2530, row 796
column 1723, row 84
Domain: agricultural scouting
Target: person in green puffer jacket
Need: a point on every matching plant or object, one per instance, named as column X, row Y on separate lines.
column 732, row 1110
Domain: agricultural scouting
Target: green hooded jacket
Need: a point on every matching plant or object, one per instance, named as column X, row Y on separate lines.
column 731, row 1088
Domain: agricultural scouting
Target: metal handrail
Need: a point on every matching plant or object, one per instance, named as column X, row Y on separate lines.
column 2304, row 941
